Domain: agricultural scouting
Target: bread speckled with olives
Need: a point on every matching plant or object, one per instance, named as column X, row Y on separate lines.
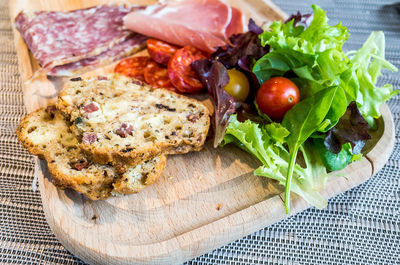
column 46, row 133
column 124, row 121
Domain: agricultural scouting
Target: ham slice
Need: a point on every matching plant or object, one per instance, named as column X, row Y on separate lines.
column 204, row 24
column 236, row 24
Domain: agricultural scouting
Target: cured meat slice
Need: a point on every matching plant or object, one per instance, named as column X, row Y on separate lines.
column 157, row 76
column 57, row 38
column 236, row 24
column 133, row 44
column 204, row 24
column 182, row 76
column 160, row 51
column 133, row 67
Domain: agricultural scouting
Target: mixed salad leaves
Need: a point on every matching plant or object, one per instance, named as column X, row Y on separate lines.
column 339, row 99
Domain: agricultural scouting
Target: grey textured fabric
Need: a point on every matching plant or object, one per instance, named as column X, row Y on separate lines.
column 361, row 226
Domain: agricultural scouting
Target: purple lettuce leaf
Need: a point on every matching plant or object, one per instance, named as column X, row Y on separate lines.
column 253, row 27
column 214, row 76
column 241, row 53
column 244, row 49
column 352, row 128
column 305, row 19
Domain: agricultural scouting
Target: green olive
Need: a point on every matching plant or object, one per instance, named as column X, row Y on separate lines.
column 238, row 86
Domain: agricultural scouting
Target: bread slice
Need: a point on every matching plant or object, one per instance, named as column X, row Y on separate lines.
column 121, row 120
column 46, row 133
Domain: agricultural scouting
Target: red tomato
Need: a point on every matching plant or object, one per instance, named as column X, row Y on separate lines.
column 182, row 76
column 133, row 67
column 160, row 51
column 276, row 96
column 157, row 76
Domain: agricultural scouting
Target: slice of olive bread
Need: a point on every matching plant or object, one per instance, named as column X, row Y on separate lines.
column 46, row 133
column 121, row 120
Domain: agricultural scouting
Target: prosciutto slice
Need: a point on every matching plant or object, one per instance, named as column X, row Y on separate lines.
column 204, row 24
column 57, row 38
column 236, row 25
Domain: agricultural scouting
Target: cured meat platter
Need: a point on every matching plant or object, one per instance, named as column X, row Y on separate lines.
column 202, row 201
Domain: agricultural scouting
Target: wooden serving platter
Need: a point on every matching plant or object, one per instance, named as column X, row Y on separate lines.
column 202, row 201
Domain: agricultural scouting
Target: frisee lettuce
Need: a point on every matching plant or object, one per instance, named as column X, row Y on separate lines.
column 318, row 37
column 367, row 64
column 328, row 81
column 266, row 143
column 315, row 56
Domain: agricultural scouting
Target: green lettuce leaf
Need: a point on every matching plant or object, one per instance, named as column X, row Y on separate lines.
column 315, row 113
column 309, row 53
column 367, row 64
column 265, row 142
column 318, row 37
column 315, row 56
column 337, row 161
column 329, row 80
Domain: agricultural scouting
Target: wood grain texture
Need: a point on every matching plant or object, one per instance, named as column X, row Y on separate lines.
column 202, row 201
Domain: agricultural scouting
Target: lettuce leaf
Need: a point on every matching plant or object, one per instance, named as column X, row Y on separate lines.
column 244, row 49
column 298, row 19
column 315, row 113
column 337, row 161
column 367, row 64
column 266, row 143
column 214, row 76
column 315, row 56
column 241, row 53
column 318, row 37
column 352, row 128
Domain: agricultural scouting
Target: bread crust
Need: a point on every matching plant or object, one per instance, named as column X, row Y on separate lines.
column 122, row 186
column 122, row 157
column 96, row 181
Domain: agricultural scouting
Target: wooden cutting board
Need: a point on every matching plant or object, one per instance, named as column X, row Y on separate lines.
column 202, row 201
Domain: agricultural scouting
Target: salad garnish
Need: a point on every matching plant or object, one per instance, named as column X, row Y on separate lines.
column 241, row 54
column 215, row 77
column 339, row 99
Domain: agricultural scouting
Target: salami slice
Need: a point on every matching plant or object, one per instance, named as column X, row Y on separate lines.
column 133, row 67
column 133, row 44
column 57, row 38
column 160, row 51
column 180, row 71
column 157, row 76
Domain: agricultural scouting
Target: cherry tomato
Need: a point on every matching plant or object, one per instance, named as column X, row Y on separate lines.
column 182, row 76
column 133, row 67
column 238, row 86
column 276, row 96
column 160, row 51
column 157, row 76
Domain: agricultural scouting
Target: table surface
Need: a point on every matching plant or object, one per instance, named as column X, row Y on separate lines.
column 361, row 226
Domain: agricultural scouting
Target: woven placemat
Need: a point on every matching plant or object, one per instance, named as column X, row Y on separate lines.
column 361, row 226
